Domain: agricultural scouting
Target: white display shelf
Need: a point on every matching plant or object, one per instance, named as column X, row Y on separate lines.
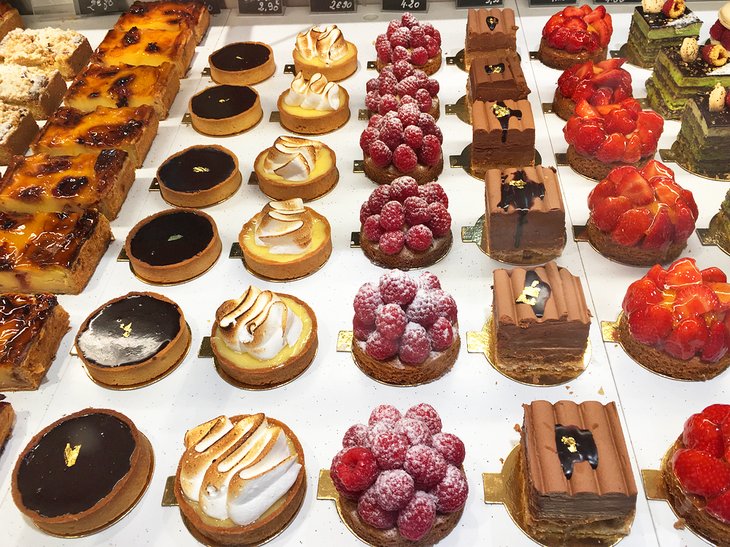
column 475, row 401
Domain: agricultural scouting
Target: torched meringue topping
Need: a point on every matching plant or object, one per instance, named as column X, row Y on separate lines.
column 324, row 43
column 285, row 227
column 315, row 94
column 258, row 323
column 237, row 471
column 292, row 158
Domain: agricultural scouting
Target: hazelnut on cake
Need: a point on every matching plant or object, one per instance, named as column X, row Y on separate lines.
column 17, row 130
column 38, row 90
column 48, row 48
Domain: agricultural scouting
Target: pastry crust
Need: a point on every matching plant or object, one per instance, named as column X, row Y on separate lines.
column 265, row 527
column 334, row 72
column 7, row 420
column 561, row 59
column 322, row 122
column 249, row 76
column 633, row 256
column 422, row 173
column 563, row 106
column 406, row 259
column 229, row 125
column 10, row 20
column 431, row 66
column 18, row 138
column 172, row 15
column 595, row 169
column 281, row 189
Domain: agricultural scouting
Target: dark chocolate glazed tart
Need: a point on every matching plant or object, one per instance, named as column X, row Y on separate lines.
column 225, row 109
column 242, row 63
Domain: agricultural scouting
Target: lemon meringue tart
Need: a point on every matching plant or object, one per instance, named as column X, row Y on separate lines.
column 242, row 63
column 241, row 480
column 313, row 106
column 263, row 338
column 324, row 50
column 286, row 240
column 296, row 167
column 223, row 110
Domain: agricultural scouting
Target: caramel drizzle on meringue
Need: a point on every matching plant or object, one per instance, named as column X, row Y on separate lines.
column 285, row 224
column 315, row 94
column 292, row 158
column 324, row 43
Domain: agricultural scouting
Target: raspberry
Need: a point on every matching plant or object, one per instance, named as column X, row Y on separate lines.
column 389, row 449
column 372, row 85
column 432, row 46
column 436, row 132
column 423, row 308
column 450, row 447
column 440, row 222
column 371, row 513
column 375, row 120
column 400, row 54
column 377, row 428
column 418, row 37
column 416, row 211
column 379, row 197
column 407, row 99
column 372, row 101
column 441, row 333
column 380, row 153
column 364, row 212
column 425, row 464
column 402, row 188
column 391, row 243
column 392, row 27
column 407, row 86
column 387, row 103
column 404, row 158
column 356, row 435
column 379, row 347
column 419, row 56
column 384, row 52
column 360, row 330
column 445, row 305
column 367, row 137
column 430, row 152
column 427, row 123
column 408, row 20
column 424, row 100
column 387, row 70
column 419, row 238
column 413, row 136
column 401, row 37
column 392, row 216
column 387, row 85
column 427, row 280
column 433, row 192
column 392, row 132
column 432, row 86
column 417, row 518
column 415, row 346
column 415, row 430
column 437, row 36
column 371, row 228
column 390, row 321
column 420, row 75
column 354, row 468
column 395, row 286
column 366, row 302
column 402, row 69
column 381, row 39
column 427, row 414
column 451, row 492
column 408, row 114
column 427, row 28
column 384, row 413
column 393, row 489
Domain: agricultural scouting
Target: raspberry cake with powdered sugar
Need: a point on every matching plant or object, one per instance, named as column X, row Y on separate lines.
column 400, row 478
column 409, row 40
column 405, row 329
column 402, row 83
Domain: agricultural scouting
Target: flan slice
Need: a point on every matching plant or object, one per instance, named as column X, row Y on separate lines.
column 167, row 15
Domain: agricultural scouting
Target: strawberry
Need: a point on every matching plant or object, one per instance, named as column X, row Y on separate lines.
column 658, row 275
column 654, row 168
column 586, row 9
column 693, row 300
column 635, row 187
column 621, row 121
column 641, row 293
column 651, row 325
column 661, row 231
column 683, row 272
column 632, row 154
column 603, row 110
column 716, row 346
column 612, row 149
column 575, row 23
column 589, row 137
column 609, row 64
column 722, row 290
column 687, row 338
column 713, row 275
column 631, row 226
column 554, row 23
column 600, row 96
column 606, row 213
column 604, row 189
column 573, row 11
column 608, row 78
column 725, row 433
column 673, row 8
column 585, row 110
column 702, row 434
column 717, row 413
column 699, row 473
column 618, row 173
column 665, row 189
column 684, row 222
column 689, row 199
column 719, row 507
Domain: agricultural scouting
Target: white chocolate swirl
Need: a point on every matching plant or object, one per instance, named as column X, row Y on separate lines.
column 292, row 158
column 315, row 94
column 324, row 43
column 285, row 227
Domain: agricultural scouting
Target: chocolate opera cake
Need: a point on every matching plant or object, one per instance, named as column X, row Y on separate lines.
column 575, row 473
column 489, row 29
column 525, row 215
column 496, row 76
column 541, row 323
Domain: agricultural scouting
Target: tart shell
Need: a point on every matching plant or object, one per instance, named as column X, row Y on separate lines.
column 339, row 70
column 595, row 169
column 249, row 76
column 406, row 259
column 431, row 66
column 230, row 125
column 563, row 106
column 633, row 256
column 385, row 175
column 309, row 189
column 561, row 59
column 328, row 121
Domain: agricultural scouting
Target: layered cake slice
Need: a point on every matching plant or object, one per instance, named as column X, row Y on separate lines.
column 31, row 329
column 496, row 76
column 38, row 90
column 575, row 473
column 17, row 130
column 51, row 252
column 720, row 224
column 173, row 15
column 525, row 215
column 48, row 48
column 45, row 183
column 489, row 30
column 541, row 323
column 503, row 135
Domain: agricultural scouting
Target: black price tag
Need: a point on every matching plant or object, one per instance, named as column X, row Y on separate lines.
column 477, row 3
column 214, row 6
column 261, row 7
column 332, row 6
column 405, row 5
column 552, row 2
column 100, row 7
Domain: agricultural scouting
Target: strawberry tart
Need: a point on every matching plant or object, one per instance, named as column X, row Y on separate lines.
column 575, row 35
column 400, row 478
column 600, row 83
column 402, row 142
column 676, row 322
column 405, row 329
column 404, row 225
column 409, row 40
column 696, row 473
column 604, row 137
column 641, row 217
column 400, row 83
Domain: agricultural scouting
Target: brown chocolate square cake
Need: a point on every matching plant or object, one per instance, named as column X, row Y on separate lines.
column 496, row 76
column 489, row 29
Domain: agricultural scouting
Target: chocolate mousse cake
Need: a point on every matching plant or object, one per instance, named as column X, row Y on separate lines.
column 575, row 474
column 489, row 29
column 541, row 324
column 496, row 76
column 525, row 215
column 7, row 419
column 503, row 135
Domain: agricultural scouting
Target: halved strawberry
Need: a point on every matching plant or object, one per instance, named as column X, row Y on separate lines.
column 606, row 212
column 658, row 275
column 717, row 413
column 555, row 22
column 684, row 222
column 601, row 96
column 621, row 121
column 631, row 227
column 635, row 187
column 654, row 168
column 722, row 290
column 589, row 137
column 603, row 110
column 575, row 23
column 702, row 434
column 641, row 293
column 632, row 154
column 716, row 346
column 687, row 338
column 719, row 507
column 585, row 110
column 573, row 11
column 586, row 9
column 689, row 199
column 725, row 433
column 666, row 190
column 713, row 274
column 693, row 300
column 683, row 272
column 609, row 78
column 661, row 231
column 612, row 149
column 612, row 63
column 651, row 325
column 699, row 473
column 604, row 189
column 618, row 173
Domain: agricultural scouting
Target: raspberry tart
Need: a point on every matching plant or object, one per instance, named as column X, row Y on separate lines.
column 406, row 226
column 641, row 217
column 676, row 322
column 398, row 84
column 409, row 40
column 604, row 137
column 600, row 83
column 720, row 30
column 575, row 35
column 405, row 329
column 696, row 473
column 400, row 478
column 402, row 142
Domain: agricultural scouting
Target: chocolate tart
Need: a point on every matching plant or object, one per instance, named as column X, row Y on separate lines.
column 313, row 122
column 82, row 472
column 385, row 175
column 173, row 246
column 242, row 63
column 223, row 110
column 199, row 176
column 488, row 30
column 133, row 339
column 561, row 59
column 7, row 420
column 595, row 169
column 284, row 367
column 406, row 259
column 224, row 532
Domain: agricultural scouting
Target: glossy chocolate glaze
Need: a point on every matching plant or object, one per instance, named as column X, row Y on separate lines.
column 129, row 331
column 536, row 293
column 520, row 193
column 494, row 69
column 503, row 113
column 240, row 56
column 49, row 485
column 223, row 101
column 575, row 445
column 22, row 316
column 658, row 20
column 172, row 238
column 196, row 169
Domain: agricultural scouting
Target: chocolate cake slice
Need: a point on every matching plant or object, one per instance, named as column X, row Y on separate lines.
column 575, row 472
column 496, row 76
column 489, row 29
column 650, row 32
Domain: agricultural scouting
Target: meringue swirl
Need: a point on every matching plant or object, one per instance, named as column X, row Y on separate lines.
column 315, row 94
column 292, row 158
column 285, row 227
column 324, row 43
